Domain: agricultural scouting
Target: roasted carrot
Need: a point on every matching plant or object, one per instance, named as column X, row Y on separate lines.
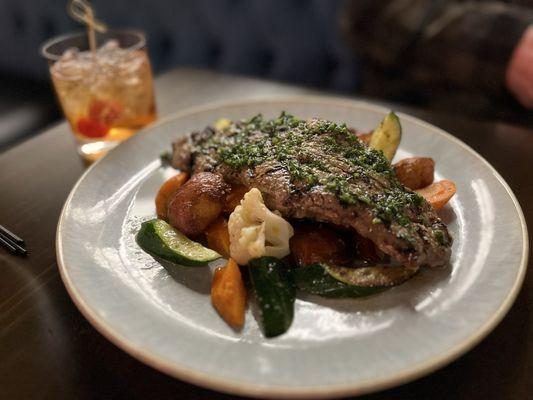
column 234, row 197
column 228, row 294
column 314, row 244
column 438, row 193
column 364, row 137
column 218, row 236
column 166, row 191
column 366, row 249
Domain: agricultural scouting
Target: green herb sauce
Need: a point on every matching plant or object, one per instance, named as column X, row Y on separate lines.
column 293, row 144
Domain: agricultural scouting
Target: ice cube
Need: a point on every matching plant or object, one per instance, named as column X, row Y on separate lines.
column 73, row 64
column 131, row 62
column 70, row 53
column 109, row 56
column 109, row 46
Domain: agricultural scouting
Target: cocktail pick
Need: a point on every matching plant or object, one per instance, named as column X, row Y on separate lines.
column 83, row 12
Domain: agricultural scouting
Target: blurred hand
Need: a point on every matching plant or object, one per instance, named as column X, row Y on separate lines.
column 519, row 74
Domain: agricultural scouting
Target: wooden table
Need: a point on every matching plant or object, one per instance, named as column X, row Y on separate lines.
column 48, row 350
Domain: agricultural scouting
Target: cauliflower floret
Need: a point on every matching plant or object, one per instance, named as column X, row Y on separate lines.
column 255, row 231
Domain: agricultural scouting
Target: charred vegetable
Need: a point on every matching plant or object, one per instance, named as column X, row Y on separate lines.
column 159, row 239
column 274, row 293
column 334, row 281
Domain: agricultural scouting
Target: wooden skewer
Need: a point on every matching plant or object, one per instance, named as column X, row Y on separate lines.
column 82, row 12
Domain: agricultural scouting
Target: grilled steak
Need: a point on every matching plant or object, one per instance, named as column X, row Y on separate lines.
column 321, row 171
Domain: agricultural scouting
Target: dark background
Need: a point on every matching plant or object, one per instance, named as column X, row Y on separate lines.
column 298, row 41
column 285, row 40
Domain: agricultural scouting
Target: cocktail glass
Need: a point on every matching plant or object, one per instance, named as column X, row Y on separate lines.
column 106, row 95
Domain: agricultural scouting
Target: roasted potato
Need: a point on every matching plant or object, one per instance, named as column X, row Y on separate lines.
column 234, row 198
column 415, row 172
column 197, row 203
column 312, row 244
column 439, row 193
column 167, row 191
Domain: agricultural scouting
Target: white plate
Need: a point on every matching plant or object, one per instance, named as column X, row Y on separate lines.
column 334, row 347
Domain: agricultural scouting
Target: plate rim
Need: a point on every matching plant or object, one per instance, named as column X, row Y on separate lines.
column 235, row 386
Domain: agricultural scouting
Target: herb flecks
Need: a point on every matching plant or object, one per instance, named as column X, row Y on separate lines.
column 292, row 143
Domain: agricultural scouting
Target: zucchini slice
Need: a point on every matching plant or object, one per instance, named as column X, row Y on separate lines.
column 161, row 240
column 334, row 281
column 386, row 137
column 274, row 293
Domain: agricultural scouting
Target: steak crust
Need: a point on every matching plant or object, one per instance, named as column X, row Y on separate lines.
column 320, row 171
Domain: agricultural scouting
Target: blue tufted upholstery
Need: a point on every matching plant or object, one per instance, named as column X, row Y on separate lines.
column 290, row 40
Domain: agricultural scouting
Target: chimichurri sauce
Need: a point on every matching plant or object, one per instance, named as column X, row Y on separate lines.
column 318, row 153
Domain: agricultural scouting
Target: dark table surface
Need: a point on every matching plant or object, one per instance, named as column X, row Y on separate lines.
column 48, row 350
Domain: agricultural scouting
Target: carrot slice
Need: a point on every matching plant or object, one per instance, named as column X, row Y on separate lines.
column 234, row 198
column 228, row 294
column 438, row 193
column 364, row 137
column 366, row 249
column 167, row 191
column 314, row 244
column 218, row 236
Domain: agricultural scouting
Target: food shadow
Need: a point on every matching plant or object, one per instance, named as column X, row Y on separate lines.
column 447, row 215
column 197, row 279
column 406, row 295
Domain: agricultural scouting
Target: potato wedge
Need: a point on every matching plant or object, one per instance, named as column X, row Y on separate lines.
column 218, row 236
column 438, row 193
column 167, row 191
column 197, row 203
column 415, row 172
column 234, row 198
column 314, row 244
column 228, row 294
